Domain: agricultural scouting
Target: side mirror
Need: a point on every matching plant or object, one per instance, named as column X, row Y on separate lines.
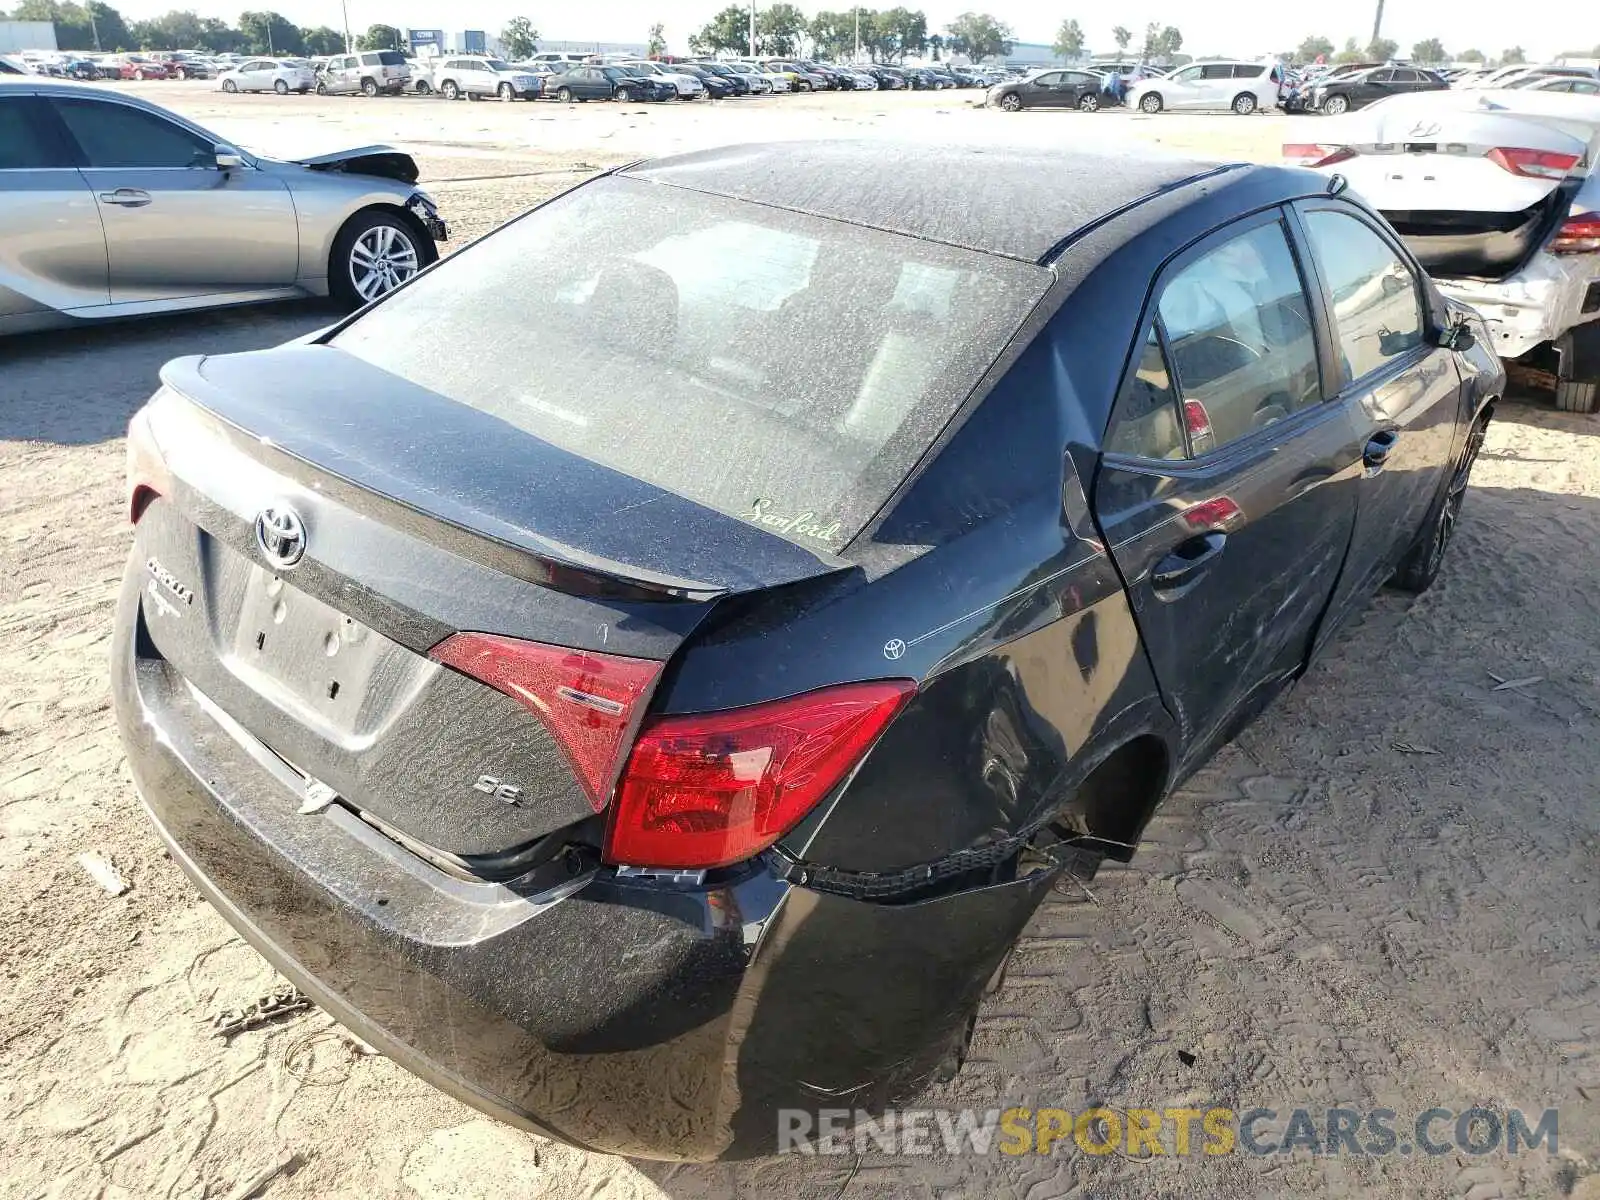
column 229, row 159
column 1456, row 334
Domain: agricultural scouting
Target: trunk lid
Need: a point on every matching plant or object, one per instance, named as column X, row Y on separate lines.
column 419, row 518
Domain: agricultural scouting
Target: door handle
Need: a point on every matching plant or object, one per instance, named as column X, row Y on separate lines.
column 1379, row 448
column 1188, row 562
column 126, row 198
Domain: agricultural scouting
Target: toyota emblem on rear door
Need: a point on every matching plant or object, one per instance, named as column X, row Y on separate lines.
column 281, row 535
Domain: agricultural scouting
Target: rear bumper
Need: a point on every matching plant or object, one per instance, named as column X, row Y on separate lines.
column 1543, row 300
column 624, row 1017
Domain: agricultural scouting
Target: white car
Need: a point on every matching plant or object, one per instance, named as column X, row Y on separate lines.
column 268, row 75
column 689, row 86
column 1241, row 87
column 760, row 82
column 476, row 76
column 1495, row 193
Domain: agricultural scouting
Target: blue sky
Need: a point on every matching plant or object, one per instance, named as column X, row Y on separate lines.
column 1209, row 26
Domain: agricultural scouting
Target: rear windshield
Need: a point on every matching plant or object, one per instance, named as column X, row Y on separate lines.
column 776, row 367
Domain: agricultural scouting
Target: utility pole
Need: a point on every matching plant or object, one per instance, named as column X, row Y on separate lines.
column 1377, row 24
column 94, row 26
column 348, row 44
column 752, row 28
column 858, row 33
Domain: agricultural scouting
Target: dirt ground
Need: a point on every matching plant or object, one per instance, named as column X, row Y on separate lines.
column 1383, row 894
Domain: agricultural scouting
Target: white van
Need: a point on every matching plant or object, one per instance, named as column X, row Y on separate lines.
column 1241, row 87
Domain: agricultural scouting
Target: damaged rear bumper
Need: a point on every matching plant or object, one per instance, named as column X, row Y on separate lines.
column 620, row 1015
column 1547, row 297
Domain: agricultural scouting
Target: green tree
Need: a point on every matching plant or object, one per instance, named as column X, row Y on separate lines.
column 77, row 24
column 322, row 40
column 729, row 30
column 174, row 31
column 896, row 33
column 1069, row 40
column 1472, row 56
column 269, row 33
column 657, row 44
column 1512, row 57
column 832, row 33
column 1123, row 36
column 1314, row 48
column 1350, row 54
column 1382, row 49
column 979, row 36
column 1170, row 41
column 520, row 39
column 779, row 28
column 381, row 37
column 1429, row 51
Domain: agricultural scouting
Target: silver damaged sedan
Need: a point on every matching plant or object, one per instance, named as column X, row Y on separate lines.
column 113, row 207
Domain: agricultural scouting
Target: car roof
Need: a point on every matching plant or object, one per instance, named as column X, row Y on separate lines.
column 1018, row 203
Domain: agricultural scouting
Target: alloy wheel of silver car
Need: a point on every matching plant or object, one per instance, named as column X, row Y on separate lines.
column 1335, row 106
column 381, row 260
column 1150, row 102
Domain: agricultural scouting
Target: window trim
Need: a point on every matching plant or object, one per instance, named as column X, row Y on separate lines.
column 83, row 164
column 1283, row 216
column 1429, row 316
column 61, row 147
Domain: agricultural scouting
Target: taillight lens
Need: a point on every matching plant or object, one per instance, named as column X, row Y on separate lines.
column 1536, row 164
column 1577, row 235
column 589, row 702
column 1198, row 422
column 1316, row 154
column 148, row 476
column 717, row 788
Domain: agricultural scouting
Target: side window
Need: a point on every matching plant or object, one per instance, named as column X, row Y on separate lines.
column 1247, row 71
column 1584, row 86
column 1049, row 80
column 1406, row 76
column 1188, row 75
column 1217, row 71
column 1381, row 77
column 1147, row 423
column 1239, row 334
column 23, row 144
column 117, row 135
column 1376, row 305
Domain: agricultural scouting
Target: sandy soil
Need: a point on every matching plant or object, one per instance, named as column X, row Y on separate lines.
column 1382, row 894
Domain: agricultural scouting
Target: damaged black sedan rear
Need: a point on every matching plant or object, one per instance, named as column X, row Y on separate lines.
column 638, row 754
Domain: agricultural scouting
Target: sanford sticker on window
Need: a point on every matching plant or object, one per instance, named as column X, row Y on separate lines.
column 807, row 524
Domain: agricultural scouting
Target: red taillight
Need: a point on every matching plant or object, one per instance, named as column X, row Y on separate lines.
column 148, row 476
column 1577, row 235
column 1198, row 422
column 1536, row 164
column 1316, row 154
column 1220, row 512
column 717, row 788
column 590, row 702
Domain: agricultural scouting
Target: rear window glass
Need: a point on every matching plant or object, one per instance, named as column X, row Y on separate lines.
column 387, row 58
column 775, row 367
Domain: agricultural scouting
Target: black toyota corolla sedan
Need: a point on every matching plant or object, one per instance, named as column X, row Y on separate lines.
column 640, row 748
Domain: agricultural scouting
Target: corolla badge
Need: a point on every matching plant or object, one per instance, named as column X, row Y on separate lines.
column 281, row 535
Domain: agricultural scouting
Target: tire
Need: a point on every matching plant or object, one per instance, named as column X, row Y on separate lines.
column 1244, row 104
column 229, row 85
column 450, row 91
column 1011, row 102
column 1420, row 567
column 1089, row 102
column 505, row 93
column 624, row 96
column 1575, row 397
column 564, row 96
column 180, row 73
column 369, row 88
column 280, row 87
column 1150, row 103
column 473, row 97
column 384, row 238
column 139, row 75
column 322, row 89
column 1335, row 106
column 424, row 88
column 301, row 91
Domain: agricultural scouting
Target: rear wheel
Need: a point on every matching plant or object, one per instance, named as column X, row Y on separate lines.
column 281, row 87
column 1011, row 102
column 229, row 85
column 1150, row 102
column 1335, row 106
column 1420, row 567
column 424, row 88
column 1089, row 102
column 1244, row 104
column 369, row 88
column 1572, row 395
column 564, row 95
column 375, row 253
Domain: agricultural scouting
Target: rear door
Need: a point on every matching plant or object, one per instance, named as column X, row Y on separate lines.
column 1402, row 392
column 52, row 251
column 1227, row 492
column 175, row 225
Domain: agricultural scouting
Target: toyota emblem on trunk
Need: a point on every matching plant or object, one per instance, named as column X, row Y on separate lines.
column 281, row 535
